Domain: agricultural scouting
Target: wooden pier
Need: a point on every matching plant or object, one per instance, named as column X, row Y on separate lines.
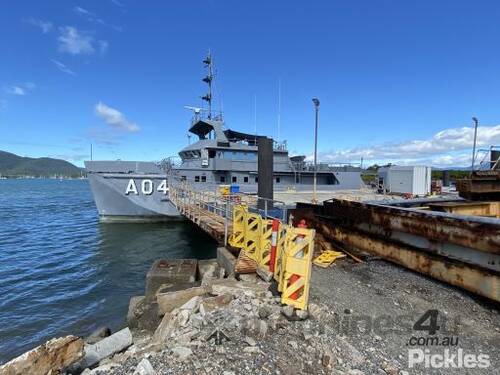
column 209, row 210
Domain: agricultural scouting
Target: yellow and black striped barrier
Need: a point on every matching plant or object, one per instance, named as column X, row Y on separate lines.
column 294, row 249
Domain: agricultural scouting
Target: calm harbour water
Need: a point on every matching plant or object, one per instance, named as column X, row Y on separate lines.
column 62, row 272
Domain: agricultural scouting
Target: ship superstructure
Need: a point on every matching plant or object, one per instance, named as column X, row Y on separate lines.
column 220, row 156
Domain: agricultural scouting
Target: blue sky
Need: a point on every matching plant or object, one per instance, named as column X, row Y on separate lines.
column 398, row 80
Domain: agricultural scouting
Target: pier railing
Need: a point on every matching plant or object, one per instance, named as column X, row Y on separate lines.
column 207, row 202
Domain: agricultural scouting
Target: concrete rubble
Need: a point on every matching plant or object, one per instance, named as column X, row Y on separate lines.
column 48, row 358
column 231, row 326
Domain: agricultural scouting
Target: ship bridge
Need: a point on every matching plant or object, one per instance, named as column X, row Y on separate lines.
column 203, row 127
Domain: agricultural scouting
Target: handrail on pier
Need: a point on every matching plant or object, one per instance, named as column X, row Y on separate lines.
column 188, row 198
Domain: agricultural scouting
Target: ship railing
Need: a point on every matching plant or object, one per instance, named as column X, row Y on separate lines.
column 211, row 198
column 486, row 161
column 169, row 163
column 280, row 145
column 203, row 115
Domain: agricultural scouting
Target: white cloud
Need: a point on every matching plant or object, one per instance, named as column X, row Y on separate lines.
column 115, row 118
column 118, row 3
column 92, row 17
column 20, row 89
column 82, row 11
column 63, row 68
column 16, row 90
column 75, row 42
column 447, row 147
column 45, row 26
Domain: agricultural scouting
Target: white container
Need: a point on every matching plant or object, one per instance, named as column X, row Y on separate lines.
column 414, row 180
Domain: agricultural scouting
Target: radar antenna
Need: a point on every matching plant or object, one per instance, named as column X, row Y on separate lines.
column 208, row 80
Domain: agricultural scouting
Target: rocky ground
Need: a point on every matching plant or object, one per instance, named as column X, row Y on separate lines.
column 360, row 321
column 391, row 299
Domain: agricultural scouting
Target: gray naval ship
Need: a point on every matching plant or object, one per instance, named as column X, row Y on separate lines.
column 136, row 190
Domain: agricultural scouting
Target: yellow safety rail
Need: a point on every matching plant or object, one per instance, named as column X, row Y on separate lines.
column 299, row 248
column 294, row 250
column 280, row 256
column 253, row 230
column 265, row 243
column 237, row 238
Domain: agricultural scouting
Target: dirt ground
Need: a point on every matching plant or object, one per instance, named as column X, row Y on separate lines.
column 376, row 304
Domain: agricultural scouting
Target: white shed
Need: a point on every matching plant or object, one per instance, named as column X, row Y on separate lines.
column 414, row 180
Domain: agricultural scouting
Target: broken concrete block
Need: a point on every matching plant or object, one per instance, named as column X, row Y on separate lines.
column 288, row 311
column 236, row 288
column 51, row 357
column 144, row 368
column 302, row 314
column 167, row 302
column 174, row 287
column 143, row 314
column 103, row 349
column 212, row 303
column 208, row 268
column 192, row 305
column 175, row 271
column 226, row 260
column 182, row 352
column 132, row 306
column 249, row 277
column 264, row 273
column 165, row 329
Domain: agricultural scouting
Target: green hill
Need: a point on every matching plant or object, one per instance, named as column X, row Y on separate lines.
column 12, row 165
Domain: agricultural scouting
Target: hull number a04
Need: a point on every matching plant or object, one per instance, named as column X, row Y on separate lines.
column 146, row 187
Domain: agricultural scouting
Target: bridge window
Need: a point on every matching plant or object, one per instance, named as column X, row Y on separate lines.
column 245, row 179
column 222, row 179
column 278, row 180
column 211, row 154
column 256, row 179
column 196, row 178
column 183, row 178
column 234, row 179
column 203, row 178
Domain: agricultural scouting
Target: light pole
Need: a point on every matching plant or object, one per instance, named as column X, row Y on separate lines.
column 474, row 145
column 316, row 107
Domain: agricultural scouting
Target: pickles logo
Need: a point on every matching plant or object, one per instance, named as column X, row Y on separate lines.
column 447, row 359
column 440, row 359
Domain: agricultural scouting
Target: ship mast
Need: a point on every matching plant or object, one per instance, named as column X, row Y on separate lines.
column 208, row 80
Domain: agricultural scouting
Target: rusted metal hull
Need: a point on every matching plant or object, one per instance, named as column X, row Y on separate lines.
column 488, row 209
column 462, row 251
column 482, row 185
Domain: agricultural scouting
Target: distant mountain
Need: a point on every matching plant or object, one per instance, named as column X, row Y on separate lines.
column 14, row 165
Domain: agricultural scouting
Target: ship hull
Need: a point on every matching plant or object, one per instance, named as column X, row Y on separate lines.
column 129, row 197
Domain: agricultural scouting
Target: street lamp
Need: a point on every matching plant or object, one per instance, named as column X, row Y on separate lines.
column 474, row 146
column 316, row 107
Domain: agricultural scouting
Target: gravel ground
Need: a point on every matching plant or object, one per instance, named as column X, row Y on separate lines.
column 397, row 297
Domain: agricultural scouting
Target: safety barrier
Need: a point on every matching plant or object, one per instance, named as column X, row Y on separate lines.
column 284, row 250
column 265, row 243
column 253, row 228
column 279, row 266
column 299, row 247
column 237, row 238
